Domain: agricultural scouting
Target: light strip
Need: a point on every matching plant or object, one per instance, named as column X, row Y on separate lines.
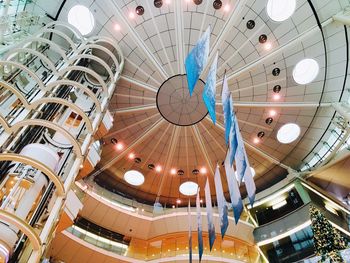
column 340, row 228
column 271, row 197
column 285, row 234
column 325, row 197
column 279, row 205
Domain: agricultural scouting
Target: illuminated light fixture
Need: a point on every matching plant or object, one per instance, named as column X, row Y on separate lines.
column 280, row 10
column 305, row 71
column 279, row 204
column 203, row 170
column 330, row 208
column 276, row 96
column 178, row 201
column 288, row 133
column 201, row 201
column 81, row 17
column 227, row 8
column 168, row 2
column 117, row 27
column 174, row 207
column 134, row 177
column 131, row 155
column 81, row 166
column 256, row 140
column 119, row 146
column 188, row 188
column 268, row 46
column 158, row 168
column 272, row 113
column 131, row 15
column 173, row 171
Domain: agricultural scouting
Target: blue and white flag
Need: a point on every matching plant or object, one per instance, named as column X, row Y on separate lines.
column 209, row 208
column 236, row 200
column 196, row 60
column 199, row 224
column 249, row 182
column 227, row 108
column 209, row 92
column 233, row 142
column 221, row 202
column 240, row 157
column 189, row 232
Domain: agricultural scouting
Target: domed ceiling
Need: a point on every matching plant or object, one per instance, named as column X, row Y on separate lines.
column 159, row 124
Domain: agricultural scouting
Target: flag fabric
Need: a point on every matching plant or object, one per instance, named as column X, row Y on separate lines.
column 227, row 108
column 189, row 232
column 240, row 157
column 196, row 60
column 236, row 200
column 209, row 92
column 233, row 142
column 199, row 224
column 209, row 208
column 221, row 202
column 249, row 182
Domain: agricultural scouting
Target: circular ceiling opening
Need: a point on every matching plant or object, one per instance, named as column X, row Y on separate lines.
column 288, row 133
column 305, row 71
column 134, row 177
column 80, row 17
column 188, row 188
column 251, row 169
column 176, row 105
column 280, row 10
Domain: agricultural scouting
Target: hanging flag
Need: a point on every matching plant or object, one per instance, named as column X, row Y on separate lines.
column 249, row 181
column 227, row 108
column 209, row 208
column 236, row 200
column 189, row 232
column 209, row 92
column 199, row 223
column 221, row 202
column 197, row 59
column 233, row 143
column 240, row 157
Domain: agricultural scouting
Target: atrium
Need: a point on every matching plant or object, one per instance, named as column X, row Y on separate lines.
column 174, row 131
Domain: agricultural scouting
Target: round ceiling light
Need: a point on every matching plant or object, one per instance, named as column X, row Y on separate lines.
column 81, row 17
column 188, row 188
column 288, row 133
column 280, row 10
column 134, row 177
column 305, row 71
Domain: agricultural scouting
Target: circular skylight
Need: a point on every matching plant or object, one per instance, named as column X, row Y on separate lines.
column 305, row 71
column 280, row 10
column 288, row 133
column 80, row 17
column 134, row 177
column 188, row 188
column 251, row 169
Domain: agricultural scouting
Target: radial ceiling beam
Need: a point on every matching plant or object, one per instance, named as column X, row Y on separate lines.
column 132, row 125
column 139, row 42
column 343, row 18
column 233, row 20
column 179, row 31
column 213, row 138
column 150, row 8
column 258, row 85
column 119, row 95
column 257, row 104
column 201, row 144
column 134, row 109
column 139, row 83
column 289, row 45
column 258, row 151
column 139, row 69
column 133, row 145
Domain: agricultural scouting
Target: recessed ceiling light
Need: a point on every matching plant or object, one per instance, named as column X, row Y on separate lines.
column 268, row 46
column 119, row 146
column 272, row 113
column 203, row 170
column 131, row 155
column 188, row 188
column 288, row 133
column 305, row 71
column 256, row 140
column 227, row 8
column 178, row 201
column 117, row 27
column 276, row 96
column 280, row 10
column 131, row 15
column 173, row 171
column 81, row 17
column 158, row 168
column 168, row 2
column 134, row 177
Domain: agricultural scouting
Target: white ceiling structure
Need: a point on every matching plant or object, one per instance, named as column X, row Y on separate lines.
column 155, row 46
